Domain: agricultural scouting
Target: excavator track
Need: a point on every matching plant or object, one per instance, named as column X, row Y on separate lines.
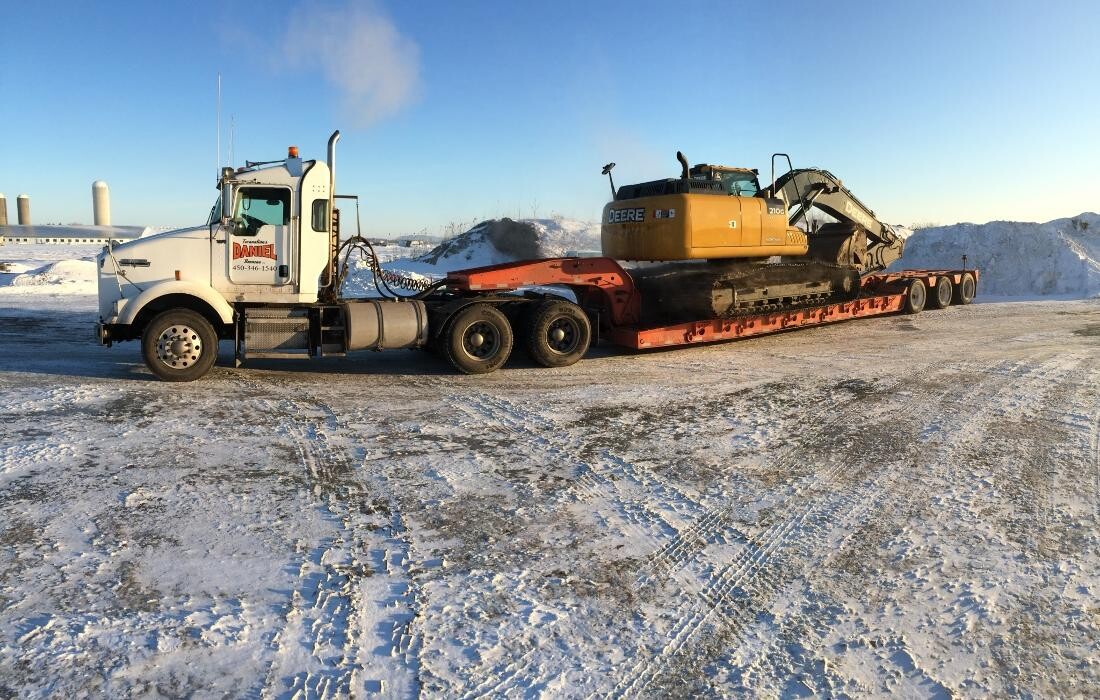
column 685, row 291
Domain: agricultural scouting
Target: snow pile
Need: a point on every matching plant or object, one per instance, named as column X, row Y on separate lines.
column 489, row 243
column 1060, row 257
column 70, row 276
column 902, row 232
column 503, row 240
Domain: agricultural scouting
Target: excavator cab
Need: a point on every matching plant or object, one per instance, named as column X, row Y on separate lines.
column 737, row 182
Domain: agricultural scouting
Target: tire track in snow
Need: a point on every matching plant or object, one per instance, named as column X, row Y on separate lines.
column 760, row 568
column 330, row 633
column 715, row 523
column 529, row 425
column 904, row 490
column 596, row 478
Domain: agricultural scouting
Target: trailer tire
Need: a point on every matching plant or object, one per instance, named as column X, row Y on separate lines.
column 945, row 292
column 179, row 345
column 558, row 333
column 915, row 296
column 478, row 340
column 965, row 290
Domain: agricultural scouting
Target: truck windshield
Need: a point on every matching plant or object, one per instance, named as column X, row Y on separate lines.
column 215, row 212
column 740, row 184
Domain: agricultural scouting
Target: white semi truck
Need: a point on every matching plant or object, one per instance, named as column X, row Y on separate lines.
column 266, row 273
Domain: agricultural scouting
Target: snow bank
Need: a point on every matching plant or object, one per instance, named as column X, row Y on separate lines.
column 503, row 240
column 69, row 276
column 1060, row 257
column 489, row 243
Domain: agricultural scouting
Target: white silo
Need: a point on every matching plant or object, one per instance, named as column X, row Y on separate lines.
column 101, row 203
column 3, row 210
column 23, row 207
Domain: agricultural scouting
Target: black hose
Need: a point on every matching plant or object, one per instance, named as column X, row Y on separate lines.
column 384, row 280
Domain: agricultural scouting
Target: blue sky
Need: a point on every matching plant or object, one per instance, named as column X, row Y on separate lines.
column 938, row 111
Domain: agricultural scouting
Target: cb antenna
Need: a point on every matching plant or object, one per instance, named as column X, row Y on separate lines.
column 218, row 158
column 607, row 171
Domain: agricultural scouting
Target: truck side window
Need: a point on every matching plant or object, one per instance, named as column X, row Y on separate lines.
column 320, row 218
column 263, row 205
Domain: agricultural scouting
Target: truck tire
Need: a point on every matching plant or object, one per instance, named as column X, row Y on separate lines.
column 915, row 296
column 478, row 339
column 558, row 333
column 179, row 345
column 944, row 292
column 965, row 290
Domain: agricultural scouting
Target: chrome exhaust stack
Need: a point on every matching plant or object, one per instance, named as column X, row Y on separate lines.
column 334, row 244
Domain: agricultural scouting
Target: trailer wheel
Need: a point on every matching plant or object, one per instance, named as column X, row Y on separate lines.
column 915, row 297
column 945, row 291
column 558, row 333
column 478, row 339
column 964, row 292
column 179, row 345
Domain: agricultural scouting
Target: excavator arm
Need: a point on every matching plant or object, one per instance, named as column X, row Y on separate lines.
column 858, row 237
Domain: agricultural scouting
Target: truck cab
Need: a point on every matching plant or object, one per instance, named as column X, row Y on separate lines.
column 268, row 240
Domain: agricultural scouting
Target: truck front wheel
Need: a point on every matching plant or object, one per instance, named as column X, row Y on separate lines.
column 558, row 333
column 478, row 339
column 179, row 345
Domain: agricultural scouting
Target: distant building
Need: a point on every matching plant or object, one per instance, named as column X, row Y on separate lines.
column 410, row 242
column 69, row 234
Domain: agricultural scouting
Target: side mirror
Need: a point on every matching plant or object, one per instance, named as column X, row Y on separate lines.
column 237, row 226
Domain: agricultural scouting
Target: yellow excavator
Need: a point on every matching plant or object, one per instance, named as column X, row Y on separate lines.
column 713, row 242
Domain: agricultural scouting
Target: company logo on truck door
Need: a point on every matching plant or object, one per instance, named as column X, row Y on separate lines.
column 254, row 250
column 622, row 216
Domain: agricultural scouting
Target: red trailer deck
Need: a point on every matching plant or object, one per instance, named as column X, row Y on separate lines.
column 603, row 286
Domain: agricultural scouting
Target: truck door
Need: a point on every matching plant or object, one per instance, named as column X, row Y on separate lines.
column 260, row 246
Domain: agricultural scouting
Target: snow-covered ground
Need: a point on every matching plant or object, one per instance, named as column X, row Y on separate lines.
column 902, row 505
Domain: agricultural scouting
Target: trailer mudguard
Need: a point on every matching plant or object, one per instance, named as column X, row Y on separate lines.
column 161, row 289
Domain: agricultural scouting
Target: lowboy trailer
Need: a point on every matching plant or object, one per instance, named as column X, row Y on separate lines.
column 606, row 292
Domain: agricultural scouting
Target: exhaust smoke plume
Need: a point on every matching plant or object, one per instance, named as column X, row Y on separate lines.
column 361, row 52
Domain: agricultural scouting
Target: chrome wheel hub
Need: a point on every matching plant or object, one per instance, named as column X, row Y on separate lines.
column 179, row 346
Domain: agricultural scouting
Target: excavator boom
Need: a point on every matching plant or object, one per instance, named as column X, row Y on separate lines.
column 813, row 188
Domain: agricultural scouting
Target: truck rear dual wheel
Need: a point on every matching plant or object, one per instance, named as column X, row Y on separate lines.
column 965, row 289
column 558, row 333
column 943, row 293
column 179, row 345
column 478, row 339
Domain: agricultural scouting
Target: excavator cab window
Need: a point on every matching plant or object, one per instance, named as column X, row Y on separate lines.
column 740, row 184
